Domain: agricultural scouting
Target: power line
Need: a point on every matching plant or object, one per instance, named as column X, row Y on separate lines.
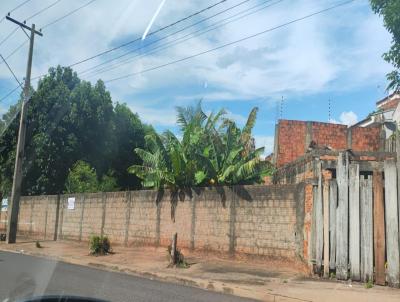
column 15, row 8
column 43, row 10
column 68, row 14
column 230, row 43
column 10, row 93
column 182, row 39
column 165, row 37
column 50, row 24
column 9, row 68
column 149, row 34
column 30, row 17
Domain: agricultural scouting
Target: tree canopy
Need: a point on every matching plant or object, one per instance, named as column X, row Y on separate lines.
column 70, row 120
column 390, row 11
column 213, row 151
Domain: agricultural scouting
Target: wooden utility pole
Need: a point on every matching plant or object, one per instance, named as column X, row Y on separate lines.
column 13, row 208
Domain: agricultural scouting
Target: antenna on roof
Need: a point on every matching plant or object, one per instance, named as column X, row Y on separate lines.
column 281, row 109
column 329, row 111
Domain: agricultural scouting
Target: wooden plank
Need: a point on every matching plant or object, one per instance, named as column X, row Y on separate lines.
column 392, row 228
column 379, row 228
column 319, row 223
column 312, row 244
column 326, row 227
column 342, row 174
column 354, row 221
column 332, row 222
column 367, row 250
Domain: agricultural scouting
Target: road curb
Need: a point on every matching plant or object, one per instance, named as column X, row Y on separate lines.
column 214, row 286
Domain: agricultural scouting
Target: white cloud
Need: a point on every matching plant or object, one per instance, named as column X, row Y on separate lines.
column 265, row 141
column 346, row 118
column 332, row 51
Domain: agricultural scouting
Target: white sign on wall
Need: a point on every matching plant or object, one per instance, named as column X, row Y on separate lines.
column 71, row 203
column 4, row 205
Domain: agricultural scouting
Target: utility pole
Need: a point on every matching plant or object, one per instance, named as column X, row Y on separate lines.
column 13, row 208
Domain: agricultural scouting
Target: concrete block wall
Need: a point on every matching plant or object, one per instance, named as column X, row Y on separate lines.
column 259, row 220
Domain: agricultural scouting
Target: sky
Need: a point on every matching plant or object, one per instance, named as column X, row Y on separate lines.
column 331, row 60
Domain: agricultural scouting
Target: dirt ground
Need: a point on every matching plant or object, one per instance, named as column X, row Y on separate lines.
column 262, row 279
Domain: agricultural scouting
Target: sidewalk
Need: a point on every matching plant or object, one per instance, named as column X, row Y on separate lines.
column 265, row 280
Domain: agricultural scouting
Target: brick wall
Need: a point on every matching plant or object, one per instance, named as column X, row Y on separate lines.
column 294, row 138
column 365, row 139
column 259, row 220
column 291, row 141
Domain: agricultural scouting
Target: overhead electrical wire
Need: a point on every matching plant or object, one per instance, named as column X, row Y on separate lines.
column 47, row 25
column 15, row 8
column 51, row 24
column 12, row 72
column 149, row 34
column 167, row 36
column 240, row 15
column 29, row 18
column 230, row 43
column 68, row 14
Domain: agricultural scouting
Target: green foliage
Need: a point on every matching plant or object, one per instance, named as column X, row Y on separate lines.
column 70, row 120
column 99, row 245
column 212, row 151
column 369, row 284
column 82, row 178
column 390, row 11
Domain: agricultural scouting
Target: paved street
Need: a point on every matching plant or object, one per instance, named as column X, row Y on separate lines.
column 26, row 276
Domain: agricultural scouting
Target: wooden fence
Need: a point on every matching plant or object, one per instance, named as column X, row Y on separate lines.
column 355, row 227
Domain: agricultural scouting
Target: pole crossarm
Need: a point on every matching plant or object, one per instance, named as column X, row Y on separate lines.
column 23, row 25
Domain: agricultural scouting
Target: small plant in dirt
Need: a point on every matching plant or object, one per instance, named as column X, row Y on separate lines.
column 369, row 284
column 38, row 245
column 179, row 260
column 99, row 245
column 332, row 275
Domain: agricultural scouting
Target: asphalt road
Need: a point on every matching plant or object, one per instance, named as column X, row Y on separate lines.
column 26, row 276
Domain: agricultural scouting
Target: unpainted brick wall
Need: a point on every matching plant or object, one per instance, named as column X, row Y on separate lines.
column 365, row 139
column 292, row 138
column 259, row 220
column 291, row 141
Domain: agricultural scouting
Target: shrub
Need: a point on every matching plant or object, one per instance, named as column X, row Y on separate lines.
column 369, row 284
column 179, row 258
column 100, row 245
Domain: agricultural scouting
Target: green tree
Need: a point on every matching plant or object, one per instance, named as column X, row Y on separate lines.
column 128, row 134
column 390, row 10
column 213, row 150
column 70, row 120
column 82, row 178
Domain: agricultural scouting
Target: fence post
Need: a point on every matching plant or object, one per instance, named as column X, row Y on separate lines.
column 342, row 175
column 326, row 228
column 57, row 217
column 103, row 217
column 128, row 198
column 332, row 222
column 392, row 226
column 319, row 223
column 354, row 225
column 379, row 229
column 81, row 219
column 367, row 249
